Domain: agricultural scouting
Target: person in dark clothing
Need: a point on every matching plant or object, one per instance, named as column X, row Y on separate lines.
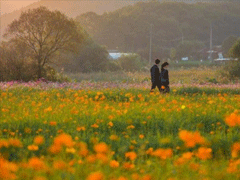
column 155, row 76
column 164, row 78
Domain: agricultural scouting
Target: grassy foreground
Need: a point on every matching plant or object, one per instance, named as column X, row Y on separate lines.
column 119, row 134
column 196, row 75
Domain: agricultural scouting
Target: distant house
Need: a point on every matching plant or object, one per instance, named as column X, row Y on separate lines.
column 205, row 52
column 221, row 59
column 184, row 58
column 115, row 54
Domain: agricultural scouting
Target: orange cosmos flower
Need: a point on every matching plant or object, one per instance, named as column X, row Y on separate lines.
column 194, row 166
column 187, row 155
column 235, row 149
column 83, row 150
column 102, row 157
column 128, row 165
column 191, row 138
column 59, row 165
column 233, row 120
column 233, row 166
column 110, row 116
column 53, row 123
column 147, row 177
column 94, row 126
column 91, row 158
column 163, row 153
column 32, row 147
column 7, row 169
column 36, row 164
column 82, row 128
column 27, row 130
column 204, row 153
column 110, row 124
column 135, row 176
column 131, row 155
column 38, row 140
column 101, row 148
column 114, row 164
column 184, row 158
column 149, row 151
column 96, row 176
column 113, row 137
column 63, row 140
column 141, row 136
column 131, row 127
column 48, row 109
column 15, row 142
column 55, row 149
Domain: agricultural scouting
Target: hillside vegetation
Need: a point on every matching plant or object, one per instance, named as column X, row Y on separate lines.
column 128, row 28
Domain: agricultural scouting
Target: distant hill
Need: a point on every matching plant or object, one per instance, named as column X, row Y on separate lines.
column 128, row 28
column 71, row 8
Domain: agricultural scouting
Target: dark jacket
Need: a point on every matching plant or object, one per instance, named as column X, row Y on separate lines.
column 164, row 77
column 155, row 73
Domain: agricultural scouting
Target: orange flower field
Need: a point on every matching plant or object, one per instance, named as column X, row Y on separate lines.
column 119, row 134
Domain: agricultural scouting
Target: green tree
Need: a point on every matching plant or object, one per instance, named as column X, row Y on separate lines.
column 15, row 61
column 90, row 56
column 235, row 50
column 233, row 67
column 45, row 33
column 189, row 49
column 173, row 53
column 131, row 62
column 228, row 43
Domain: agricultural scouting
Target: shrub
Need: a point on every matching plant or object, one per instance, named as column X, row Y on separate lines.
column 131, row 62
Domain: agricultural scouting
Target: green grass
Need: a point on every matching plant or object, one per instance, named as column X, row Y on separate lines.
column 158, row 117
column 196, row 75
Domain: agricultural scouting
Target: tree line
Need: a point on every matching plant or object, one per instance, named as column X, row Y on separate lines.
column 175, row 25
column 43, row 42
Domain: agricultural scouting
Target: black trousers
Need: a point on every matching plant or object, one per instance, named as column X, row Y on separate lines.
column 156, row 83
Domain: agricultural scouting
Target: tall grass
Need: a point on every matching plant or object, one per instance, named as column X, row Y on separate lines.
column 198, row 75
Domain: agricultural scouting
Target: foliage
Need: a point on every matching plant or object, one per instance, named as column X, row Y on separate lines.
column 227, row 44
column 129, row 27
column 173, row 53
column 131, row 62
column 233, row 67
column 17, row 64
column 235, row 50
column 90, row 57
column 189, row 49
column 45, row 33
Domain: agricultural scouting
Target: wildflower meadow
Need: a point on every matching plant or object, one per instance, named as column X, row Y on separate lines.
column 63, row 131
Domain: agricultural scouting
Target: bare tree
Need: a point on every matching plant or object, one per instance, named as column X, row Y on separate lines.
column 45, row 32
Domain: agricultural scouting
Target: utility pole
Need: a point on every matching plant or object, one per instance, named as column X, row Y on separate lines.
column 211, row 41
column 182, row 37
column 150, row 48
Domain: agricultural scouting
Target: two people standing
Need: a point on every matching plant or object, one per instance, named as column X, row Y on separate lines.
column 160, row 79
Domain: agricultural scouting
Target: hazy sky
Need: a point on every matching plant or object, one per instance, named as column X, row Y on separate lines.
column 8, row 6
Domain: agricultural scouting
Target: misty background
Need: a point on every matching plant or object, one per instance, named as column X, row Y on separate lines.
column 143, row 30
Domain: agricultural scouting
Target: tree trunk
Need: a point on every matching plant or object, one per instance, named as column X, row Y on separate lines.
column 39, row 69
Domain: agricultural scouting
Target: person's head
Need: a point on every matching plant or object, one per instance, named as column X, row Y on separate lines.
column 157, row 61
column 165, row 65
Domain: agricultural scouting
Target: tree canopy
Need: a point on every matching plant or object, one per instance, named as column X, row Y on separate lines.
column 45, row 33
column 128, row 28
